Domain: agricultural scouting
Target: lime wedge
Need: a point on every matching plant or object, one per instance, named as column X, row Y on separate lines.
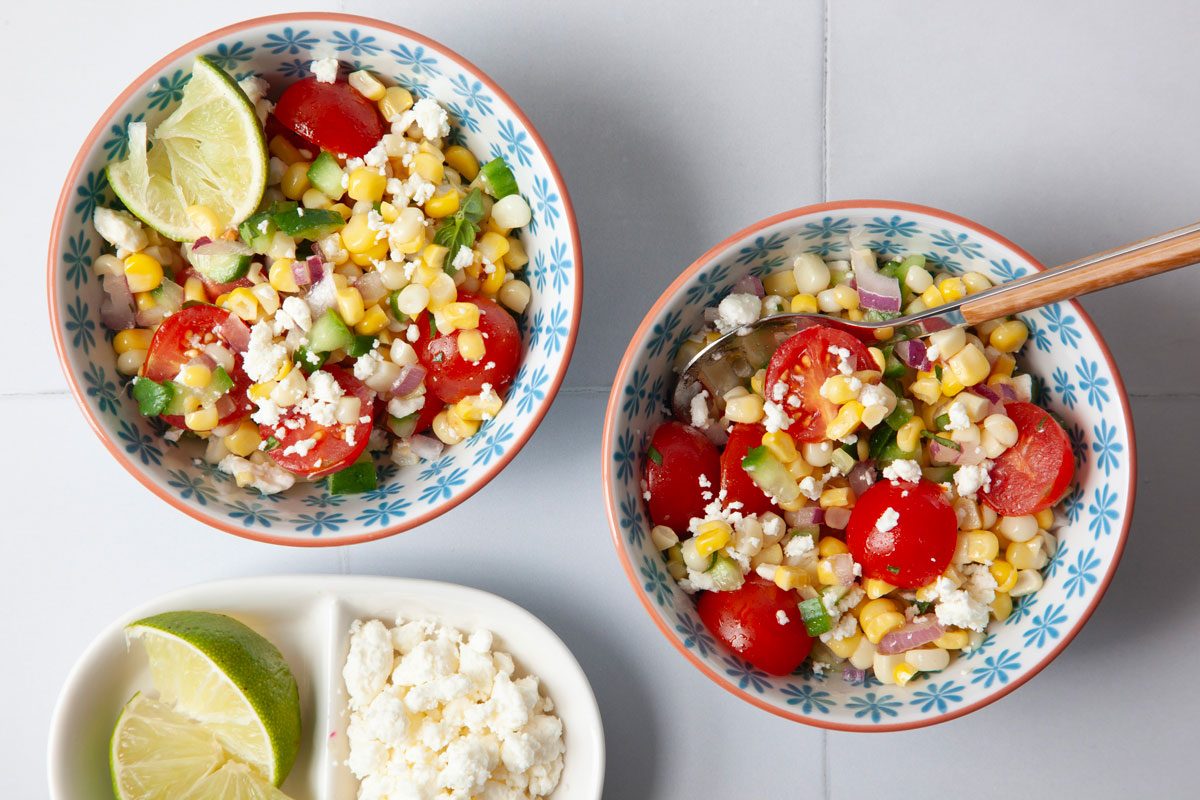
column 157, row 754
column 221, row 674
column 209, row 152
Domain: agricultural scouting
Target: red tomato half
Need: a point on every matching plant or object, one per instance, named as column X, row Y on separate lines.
column 451, row 377
column 173, row 346
column 681, row 466
column 801, row 364
column 330, row 115
column 747, row 622
column 1036, row 472
column 734, row 481
column 332, row 451
column 920, row 541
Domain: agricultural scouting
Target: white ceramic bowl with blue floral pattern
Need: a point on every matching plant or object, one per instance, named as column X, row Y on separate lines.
column 484, row 118
column 1073, row 373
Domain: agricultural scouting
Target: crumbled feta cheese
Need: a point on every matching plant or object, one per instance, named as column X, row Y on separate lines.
column 120, row 229
column 263, row 357
column 417, row 189
column 325, row 70
column 958, row 608
column 320, row 402
column 844, row 356
column 737, row 310
column 293, row 315
column 262, row 475
column 255, row 88
column 300, row 447
column 403, row 406
column 844, row 628
column 903, row 469
column 376, row 157
column 971, row 478
column 781, row 617
column 775, row 418
column 875, row 394
column 887, row 520
column 959, row 421
column 366, row 366
column 798, row 546
column 699, row 409
column 431, row 118
column 811, row 488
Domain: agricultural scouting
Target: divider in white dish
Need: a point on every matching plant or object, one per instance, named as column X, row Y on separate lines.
column 308, row 618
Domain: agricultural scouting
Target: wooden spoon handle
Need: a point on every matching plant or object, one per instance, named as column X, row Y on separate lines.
column 1161, row 253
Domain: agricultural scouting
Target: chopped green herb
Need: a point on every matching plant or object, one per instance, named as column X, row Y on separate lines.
column 461, row 229
column 942, row 440
column 937, row 371
column 893, row 570
column 152, row 397
column 942, row 421
column 655, row 456
column 923, row 606
column 271, row 444
column 432, row 327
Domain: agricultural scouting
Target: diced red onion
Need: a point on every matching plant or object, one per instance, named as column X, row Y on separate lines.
column 425, row 446
column 751, row 284
column 914, row 354
column 837, row 518
column 809, row 515
column 235, row 333
column 716, row 434
column 308, row 272
column 409, row 379
column 909, row 637
column 225, row 406
column 712, row 314
column 117, row 310
column 149, row 317
column 986, row 392
column 843, row 568
column 875, row 290
column 370, row 286
column 852, row 674
column 204, row 359
column 861, row 477
column 960, row 456
column 1008, row 394
column 203, row 240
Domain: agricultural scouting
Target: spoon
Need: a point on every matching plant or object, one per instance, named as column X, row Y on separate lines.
column 727, row 362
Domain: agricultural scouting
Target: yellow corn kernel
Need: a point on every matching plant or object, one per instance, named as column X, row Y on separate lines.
column 461, row 316
column 202, row 419
column 429, row 167
column 284, row 150
column 206, row 220
column 479, row 407
column 494, row 281
column 464, row 428
column 908, row 438
column 130, row 363
column 855, row 314
column 926, row 388
column 952, row 640
column 835, row 497
column 470, row 345
column 804, row 304
column 1005, row 575
column 280, row 276
column 978, row 546
column 787, row 578
column 495, row 227
column 904, row 673
column 295, row 180
column 1010, row 336
column 261, row 391
column 781, row 445
column 367, row 85
column 389, row 212
column 712, row 536
column 344, row 210
column 196, row 376
column 143, row 273
column 357, row 235
column 831, row 546
column 1003, row 366
column 952, row 289
column 873, row 608
column 932, row 297
column 837, row 389
column 243, row 441
column 880, row 625
column 515, row 295
column 847, row 419
column 492, row 246
column 365, row 184
column 757, row 381
column 781, row 283
column 350, row 305
column 243, row 302
column 876, row 588
column 368, row 257
column 951, row 385
column 1002, row 606
column 283, row 370
column 826, row 574
column 442, row 203
column 193, row 290
column 976, row 282
column 927, row 593
column 878, row 357
column 462, row 161
column 434, row 257
column 969, row 365
column 132, row 339
column 1023, row 555
column 339, row 280
column 844, row 648
column 191, row 403
column 315, row 198
column 747, row 408
column 373, row 321
column 516, row 257
column 395, row 101
column 1045, row 518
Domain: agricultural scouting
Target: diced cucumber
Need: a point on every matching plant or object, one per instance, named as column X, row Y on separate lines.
column 219, row 384
column 179, row 393
column 326, row 174
column 939, row 474
column 221, row 261
column 770, row 475
column 329, row 333
column 941, row 422
column 497, row 178
column 725, row 572
column 394, row 306
column 816, row 618
column 893, row 367
column 309, row 361
column 357, row 478
column 361, row 345
column 256, row 231
column 903, row 413
column 403, row 427
column 308, row 223
column 152, row 397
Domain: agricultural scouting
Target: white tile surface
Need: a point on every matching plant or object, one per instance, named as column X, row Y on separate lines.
column 1068, row 127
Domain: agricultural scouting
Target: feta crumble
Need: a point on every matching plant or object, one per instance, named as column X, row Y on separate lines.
column 902, row 469
column 325, row 70
column 737, row 311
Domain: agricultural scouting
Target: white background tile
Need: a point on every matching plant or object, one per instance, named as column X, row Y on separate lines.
column 1068, row 127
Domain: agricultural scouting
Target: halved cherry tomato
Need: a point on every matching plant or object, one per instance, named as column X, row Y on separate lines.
column 334, row 450
column 1034, row 473
column 734, row 481
column 682, row 466
column 427, row 413
column 747, row 622
column 330, row 115
column 920, row 540
column 173, row 346
column 451, row 377
column 801, row 365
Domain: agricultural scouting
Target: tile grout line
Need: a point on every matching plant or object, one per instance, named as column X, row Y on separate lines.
column 826, row 790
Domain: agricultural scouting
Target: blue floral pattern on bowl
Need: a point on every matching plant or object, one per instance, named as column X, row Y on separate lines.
column 485, row 121
column 1077, row 381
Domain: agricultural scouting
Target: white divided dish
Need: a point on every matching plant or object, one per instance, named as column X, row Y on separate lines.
column 308, row 618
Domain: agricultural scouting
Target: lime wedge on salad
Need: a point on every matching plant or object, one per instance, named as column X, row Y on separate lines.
column 217, row 672
column 157, row 754
column 209, row 152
